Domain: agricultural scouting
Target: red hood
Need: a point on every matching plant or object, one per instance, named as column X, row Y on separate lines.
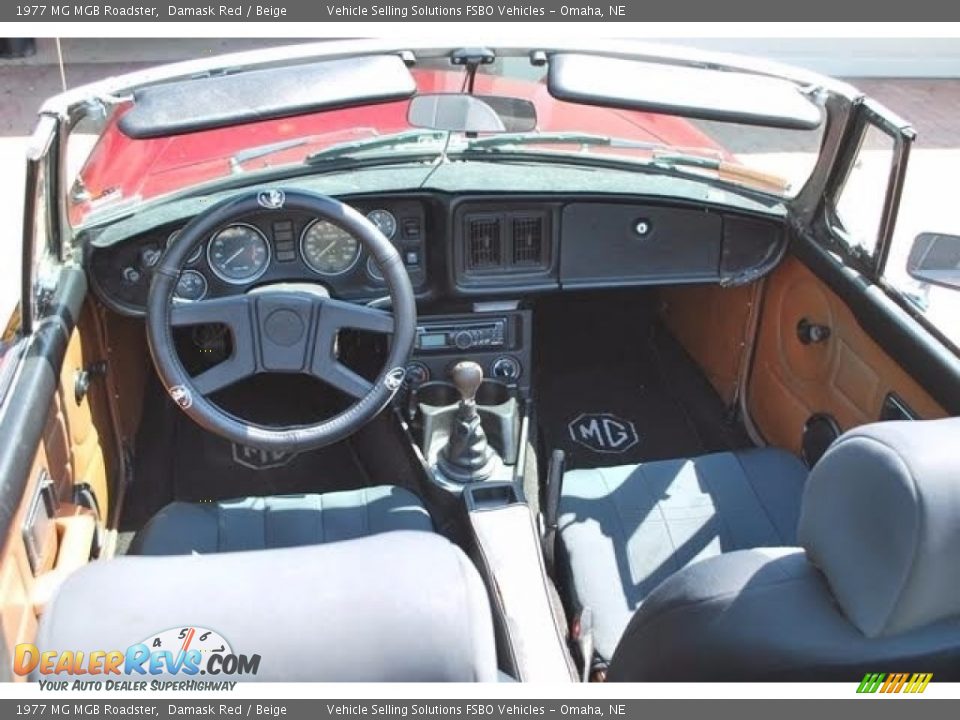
column 152, row 167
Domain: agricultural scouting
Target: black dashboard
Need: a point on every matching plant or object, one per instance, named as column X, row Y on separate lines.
column 462, row 246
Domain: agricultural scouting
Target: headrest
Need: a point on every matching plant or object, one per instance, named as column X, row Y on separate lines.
column 399, row 606
column 880, row 517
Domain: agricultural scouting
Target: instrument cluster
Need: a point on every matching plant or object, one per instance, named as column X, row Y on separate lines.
column 262, row 249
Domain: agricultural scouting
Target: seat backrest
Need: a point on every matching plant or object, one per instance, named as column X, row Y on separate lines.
column 399, row 606
column 875, row 587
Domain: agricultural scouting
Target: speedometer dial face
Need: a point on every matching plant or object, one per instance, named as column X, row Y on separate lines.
column 385, row 221
column 328, row 249
column 238, row 254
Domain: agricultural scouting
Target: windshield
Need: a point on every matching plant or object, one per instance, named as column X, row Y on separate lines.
column 109, row 171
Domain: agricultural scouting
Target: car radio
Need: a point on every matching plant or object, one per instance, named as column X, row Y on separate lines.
column 489, row 334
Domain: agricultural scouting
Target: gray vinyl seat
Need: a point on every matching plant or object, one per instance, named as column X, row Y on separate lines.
column 623, row 530
column 279, row 521
column 871, row 583
column 397, row 606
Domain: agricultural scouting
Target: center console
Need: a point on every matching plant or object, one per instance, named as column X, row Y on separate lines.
column 498, row 341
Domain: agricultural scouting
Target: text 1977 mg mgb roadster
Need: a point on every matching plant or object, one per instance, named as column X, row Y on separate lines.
column 359, row 361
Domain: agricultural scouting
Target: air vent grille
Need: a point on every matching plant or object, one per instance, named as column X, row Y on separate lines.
column 527, row 240
column 484, row 242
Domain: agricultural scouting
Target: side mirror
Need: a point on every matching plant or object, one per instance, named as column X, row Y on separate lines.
column 935, row 259
column 456, row 112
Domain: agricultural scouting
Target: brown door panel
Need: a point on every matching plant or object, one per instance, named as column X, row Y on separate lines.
column 77, row 447
column 847, row 376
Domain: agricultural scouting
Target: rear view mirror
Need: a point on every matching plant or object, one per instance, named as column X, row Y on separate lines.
column 935, row 259
column 455, row 112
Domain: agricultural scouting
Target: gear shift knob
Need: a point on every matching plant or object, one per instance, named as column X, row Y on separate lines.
column 467, row 376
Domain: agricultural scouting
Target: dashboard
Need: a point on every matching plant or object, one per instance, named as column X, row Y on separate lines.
column 467, row 247
column 265, row 248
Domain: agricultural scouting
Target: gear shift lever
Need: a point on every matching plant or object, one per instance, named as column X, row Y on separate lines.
column 467, row 456
column 467, row 376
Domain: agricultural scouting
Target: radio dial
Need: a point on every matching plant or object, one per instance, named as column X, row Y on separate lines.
column 463, row 340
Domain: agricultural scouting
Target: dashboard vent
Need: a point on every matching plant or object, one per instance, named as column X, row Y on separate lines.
column 484, row 242
column 527, row 240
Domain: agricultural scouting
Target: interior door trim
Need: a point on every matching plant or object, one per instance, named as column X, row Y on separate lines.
column 34, row 388
column 918, row 351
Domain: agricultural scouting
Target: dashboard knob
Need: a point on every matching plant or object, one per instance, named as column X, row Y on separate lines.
column 463, row 340
column 416, row 373
column 506, row 367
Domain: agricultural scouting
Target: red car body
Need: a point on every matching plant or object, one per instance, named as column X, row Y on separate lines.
column 148, row 168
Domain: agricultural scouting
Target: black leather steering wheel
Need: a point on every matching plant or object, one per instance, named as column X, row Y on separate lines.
column 280, row 330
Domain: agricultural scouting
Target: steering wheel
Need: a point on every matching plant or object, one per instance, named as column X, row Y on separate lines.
column 280, row 330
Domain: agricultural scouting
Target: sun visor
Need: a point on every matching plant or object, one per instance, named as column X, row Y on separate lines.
column 204, row 103
column 703, row 93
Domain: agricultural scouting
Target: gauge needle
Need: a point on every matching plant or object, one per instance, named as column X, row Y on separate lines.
column 327, row 249
column 233, row 257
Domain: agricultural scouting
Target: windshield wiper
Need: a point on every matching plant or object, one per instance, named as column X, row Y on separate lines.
column 725, row 169
column 661, row 155
column 347, row 149
column 495, row 142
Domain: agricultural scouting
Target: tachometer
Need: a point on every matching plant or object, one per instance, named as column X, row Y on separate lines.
column 385, row 221
column 238, row 254
column 328, row 249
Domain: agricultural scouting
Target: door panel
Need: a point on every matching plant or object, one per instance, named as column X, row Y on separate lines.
column 60, row 442
column 848, row 375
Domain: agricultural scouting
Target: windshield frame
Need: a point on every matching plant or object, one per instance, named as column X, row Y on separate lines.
column 70, row 107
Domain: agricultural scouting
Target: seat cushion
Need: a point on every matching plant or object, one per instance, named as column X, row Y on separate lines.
column 400, row 606
column 257, row 523
column 625, row 529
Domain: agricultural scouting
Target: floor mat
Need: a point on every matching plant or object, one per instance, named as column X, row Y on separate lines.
column 613, row 387
column 177, row 460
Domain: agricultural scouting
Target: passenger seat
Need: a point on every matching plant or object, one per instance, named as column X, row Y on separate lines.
column 623, row 530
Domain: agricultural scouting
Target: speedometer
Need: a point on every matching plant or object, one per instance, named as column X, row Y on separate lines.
column 238, row 254
column 328, row 249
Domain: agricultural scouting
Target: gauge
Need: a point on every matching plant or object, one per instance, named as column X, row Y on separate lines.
column 328, row 249
column 385, row 221
column 238, row 254
column 373, row 270
column 197, row 251
column 150, row 256
column 191, row 286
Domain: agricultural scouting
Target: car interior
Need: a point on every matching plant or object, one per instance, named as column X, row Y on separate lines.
column 483, row 436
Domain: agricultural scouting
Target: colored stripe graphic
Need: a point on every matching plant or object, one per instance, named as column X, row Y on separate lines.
column 894, row 682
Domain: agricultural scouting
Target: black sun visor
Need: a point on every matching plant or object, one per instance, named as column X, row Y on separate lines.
column 185, row 106
column 694, row 92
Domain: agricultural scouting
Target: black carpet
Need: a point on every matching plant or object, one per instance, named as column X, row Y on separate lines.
column 178, row 460
column 614, row 388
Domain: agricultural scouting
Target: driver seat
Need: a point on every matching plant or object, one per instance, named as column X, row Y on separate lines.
column 279, row 521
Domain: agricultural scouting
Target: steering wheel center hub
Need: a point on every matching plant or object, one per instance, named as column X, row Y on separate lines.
column 284, row 327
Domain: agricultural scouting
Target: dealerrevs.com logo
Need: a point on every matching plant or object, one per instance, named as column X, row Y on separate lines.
column 185, row 652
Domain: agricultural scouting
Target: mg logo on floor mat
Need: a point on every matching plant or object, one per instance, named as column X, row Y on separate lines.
column 603, row 432
column 257, row 459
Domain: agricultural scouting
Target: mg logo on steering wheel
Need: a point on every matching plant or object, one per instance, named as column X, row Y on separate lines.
column 603, row 432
